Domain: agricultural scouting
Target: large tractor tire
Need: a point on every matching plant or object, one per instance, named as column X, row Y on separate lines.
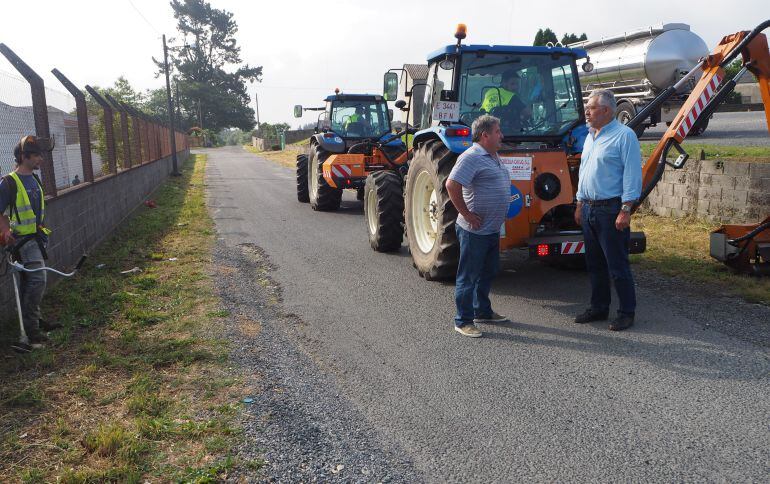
column 430, row 215
column 384, row 211
column 625, row 113
column 303, row 194
column 322, row 196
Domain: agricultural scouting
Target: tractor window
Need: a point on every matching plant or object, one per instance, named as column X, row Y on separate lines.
column 360, row 119
column 532, row 94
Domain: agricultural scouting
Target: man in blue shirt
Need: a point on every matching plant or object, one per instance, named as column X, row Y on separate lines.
column 610, row 182
column 480, row 188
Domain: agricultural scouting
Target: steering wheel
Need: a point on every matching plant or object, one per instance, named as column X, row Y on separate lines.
column 527, row 126
column 469, row 117
column 510, row 118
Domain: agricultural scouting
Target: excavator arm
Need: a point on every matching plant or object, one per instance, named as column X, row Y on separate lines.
column 745, row 248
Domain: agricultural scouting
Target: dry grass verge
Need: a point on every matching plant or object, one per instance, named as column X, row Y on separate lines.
column 287, row 157
column 136, row 386
column 680, row 247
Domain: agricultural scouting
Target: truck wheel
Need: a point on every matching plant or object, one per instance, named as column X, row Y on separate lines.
column 430, row 215
column 384, row 211
column 303, row 195
column 625, row 113
column 699, row 128
column 322, row 196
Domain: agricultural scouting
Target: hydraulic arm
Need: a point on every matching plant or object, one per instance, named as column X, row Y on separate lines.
column 742, row 247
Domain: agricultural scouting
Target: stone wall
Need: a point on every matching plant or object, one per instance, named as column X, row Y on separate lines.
column 720, row 191
column 83, row 216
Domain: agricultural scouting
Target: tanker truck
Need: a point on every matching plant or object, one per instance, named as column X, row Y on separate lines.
column 637, row 66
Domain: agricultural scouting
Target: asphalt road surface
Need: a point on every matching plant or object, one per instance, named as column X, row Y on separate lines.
column 537, row 399
column 743, row 129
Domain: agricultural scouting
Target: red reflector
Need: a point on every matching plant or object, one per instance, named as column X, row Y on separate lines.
column 348, row 182
column 329, row 135
column 542, row 250
column 459, row 132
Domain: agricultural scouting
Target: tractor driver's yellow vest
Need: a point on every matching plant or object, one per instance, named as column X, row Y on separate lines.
column 26, row 223
column 353, row 118
column 492, row 98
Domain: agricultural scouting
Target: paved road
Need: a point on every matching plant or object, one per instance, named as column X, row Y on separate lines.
column 749, row 129
column 539, row 399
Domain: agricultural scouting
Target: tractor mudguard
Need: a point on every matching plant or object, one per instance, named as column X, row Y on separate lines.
column 330, row 142
column 455, row 144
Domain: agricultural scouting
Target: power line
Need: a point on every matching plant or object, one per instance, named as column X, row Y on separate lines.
column 143, row 17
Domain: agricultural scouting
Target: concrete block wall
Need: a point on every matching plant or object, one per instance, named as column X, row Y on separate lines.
column 720, row 191
column 83, row 216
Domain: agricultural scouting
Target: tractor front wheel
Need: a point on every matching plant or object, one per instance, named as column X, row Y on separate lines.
column 322, row 196
column 384, row 211
column 430, row 215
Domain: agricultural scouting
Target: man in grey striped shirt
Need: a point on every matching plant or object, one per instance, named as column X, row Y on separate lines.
column 480, row 188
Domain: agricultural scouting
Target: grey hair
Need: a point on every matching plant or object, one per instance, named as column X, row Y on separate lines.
column 605, row 97
column 483, row 124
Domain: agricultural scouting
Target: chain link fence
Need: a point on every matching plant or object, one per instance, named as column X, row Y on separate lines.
column 96, row 135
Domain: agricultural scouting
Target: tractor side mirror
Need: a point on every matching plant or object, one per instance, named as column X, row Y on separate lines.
column 401, row 104
column 390, row 88
column 298, row 111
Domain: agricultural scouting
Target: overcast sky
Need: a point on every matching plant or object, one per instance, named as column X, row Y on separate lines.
column 307, row 48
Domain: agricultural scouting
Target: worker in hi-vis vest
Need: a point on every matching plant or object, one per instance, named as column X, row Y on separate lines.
column 22, row 215
column 506, row 98
column 357, row 120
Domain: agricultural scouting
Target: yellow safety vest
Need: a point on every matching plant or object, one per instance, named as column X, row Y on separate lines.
column 353, row 118
column 26, row 223
column 492, row 98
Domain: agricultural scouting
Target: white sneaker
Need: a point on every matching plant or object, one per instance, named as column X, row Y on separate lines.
column 470, row 330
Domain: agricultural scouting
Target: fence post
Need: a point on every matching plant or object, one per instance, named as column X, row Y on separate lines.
column 137, row 132
column 84, row 134
column 39, row 112
column 109, row 133
column 123, row 130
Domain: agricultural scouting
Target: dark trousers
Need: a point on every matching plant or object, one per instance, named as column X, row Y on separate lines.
column 479, row 264
column 607, row 258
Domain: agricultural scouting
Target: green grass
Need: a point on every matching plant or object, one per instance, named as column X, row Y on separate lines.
column 737, row 153
column 680, row 248
column 135, row 387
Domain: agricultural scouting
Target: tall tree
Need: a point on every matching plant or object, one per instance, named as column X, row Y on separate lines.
column 207, row 61
column 572, row 38
column 544, row 36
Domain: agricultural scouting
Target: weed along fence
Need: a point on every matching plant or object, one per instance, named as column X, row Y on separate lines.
column 721, row 191
column 105, row 162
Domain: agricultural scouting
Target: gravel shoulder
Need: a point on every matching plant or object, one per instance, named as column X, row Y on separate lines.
column 298, row 422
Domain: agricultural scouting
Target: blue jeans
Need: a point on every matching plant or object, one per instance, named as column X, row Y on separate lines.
column 479, row 263
column 607, row 257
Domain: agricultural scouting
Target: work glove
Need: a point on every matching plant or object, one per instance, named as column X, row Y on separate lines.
column 6, row 238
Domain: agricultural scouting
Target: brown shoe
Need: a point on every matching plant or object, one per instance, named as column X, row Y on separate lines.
column 621, row 322
column 470, row 330
column 590, row 315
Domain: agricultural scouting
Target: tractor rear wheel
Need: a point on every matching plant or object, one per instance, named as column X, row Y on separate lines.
column 303, row 195
column 322, row 196
column 384, row 211
column 430, row 215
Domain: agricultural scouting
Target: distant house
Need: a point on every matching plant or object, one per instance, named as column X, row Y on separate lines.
column 413, row 74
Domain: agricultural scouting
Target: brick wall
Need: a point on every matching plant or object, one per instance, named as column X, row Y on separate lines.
column 84, row 215
column 720, row 191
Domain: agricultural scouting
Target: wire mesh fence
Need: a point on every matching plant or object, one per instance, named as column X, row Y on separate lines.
column 96, row 135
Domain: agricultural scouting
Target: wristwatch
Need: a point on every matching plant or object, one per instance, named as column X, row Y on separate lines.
column 626, row 208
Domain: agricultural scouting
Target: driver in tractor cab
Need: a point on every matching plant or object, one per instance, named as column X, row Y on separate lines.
column 506, row 99
column 357, row 123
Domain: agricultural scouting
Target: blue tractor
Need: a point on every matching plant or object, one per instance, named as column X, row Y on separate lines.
column 352, row 140
column 535, row 91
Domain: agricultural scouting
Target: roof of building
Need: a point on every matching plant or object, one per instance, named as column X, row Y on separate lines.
column 417, row 71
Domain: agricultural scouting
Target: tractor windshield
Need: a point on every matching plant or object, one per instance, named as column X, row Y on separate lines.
column 360, row 119
column 534, row 95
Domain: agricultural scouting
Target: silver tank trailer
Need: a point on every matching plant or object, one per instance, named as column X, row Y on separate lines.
column 637, row 65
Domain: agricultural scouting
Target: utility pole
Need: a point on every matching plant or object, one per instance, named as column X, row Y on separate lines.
column 256, row 98
column 175, row 168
